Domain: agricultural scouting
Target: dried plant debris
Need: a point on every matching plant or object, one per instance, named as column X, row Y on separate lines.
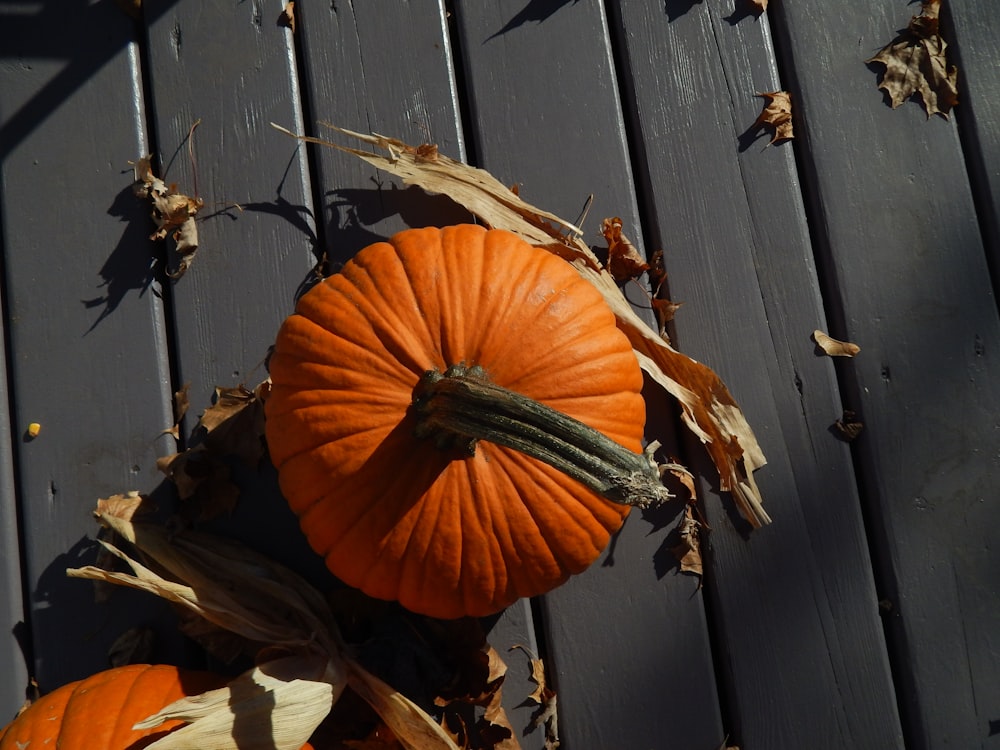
column 302, row 667
column 134, row 646
column 232, row 428
column 173, row 212
column 848, row 427
column 287, row 17
column 625, row 262
column 833, row 347
column 708, row 409
column 916, row 63
column 776, row 115
column 688, row 550
column 547, row 714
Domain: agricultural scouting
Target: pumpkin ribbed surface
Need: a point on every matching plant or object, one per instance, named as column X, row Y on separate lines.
column 446, row 534
column 98, row 713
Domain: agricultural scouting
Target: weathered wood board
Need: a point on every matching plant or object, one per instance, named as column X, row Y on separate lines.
column 84, row 320
column 865, row 616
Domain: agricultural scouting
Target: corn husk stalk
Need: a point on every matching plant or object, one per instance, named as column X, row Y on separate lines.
column 303, row 668
column 708, row 409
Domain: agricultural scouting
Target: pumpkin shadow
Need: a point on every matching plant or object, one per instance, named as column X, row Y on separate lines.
column 361, row 216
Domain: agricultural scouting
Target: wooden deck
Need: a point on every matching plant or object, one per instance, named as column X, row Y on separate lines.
column 866, row 616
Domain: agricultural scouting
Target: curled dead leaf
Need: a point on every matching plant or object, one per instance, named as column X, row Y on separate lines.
column 776, row 115
column 688, row 551
column 834, row 347
column 848, row 427
column 708, row 409
column 173, row 213
column 624, row 261
column 916, row 63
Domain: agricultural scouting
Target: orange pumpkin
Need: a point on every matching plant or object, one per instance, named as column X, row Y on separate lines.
column 361, row 410
column 98, row 713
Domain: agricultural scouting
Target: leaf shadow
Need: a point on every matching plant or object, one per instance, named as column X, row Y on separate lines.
column 132, row 264
column 677, row 8
column 535, row 11
column 361, row 216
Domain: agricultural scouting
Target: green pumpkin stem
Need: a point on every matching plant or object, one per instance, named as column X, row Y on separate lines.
column 461, row 406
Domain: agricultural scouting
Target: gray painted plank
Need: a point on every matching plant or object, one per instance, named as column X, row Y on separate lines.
column 13, row 662
column 85, row 322
column 371, row 71
column 231, row 66
column 976, row 28
column 907, row 270
column 793, row 635
column 627, row 639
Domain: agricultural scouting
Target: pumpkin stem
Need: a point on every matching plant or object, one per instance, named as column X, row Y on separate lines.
column 462, row 406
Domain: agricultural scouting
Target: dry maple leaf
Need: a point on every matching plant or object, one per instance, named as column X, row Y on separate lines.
column 915, row 63
column 708, row 409
column 547, row 715
column 777, row 115
column 833, row 347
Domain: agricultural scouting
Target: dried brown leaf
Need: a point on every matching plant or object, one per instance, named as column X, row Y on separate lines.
column 181, row 405
column 833, row 347
column 708, row 409
column 688, row 552
column 848, row 427
column 916, row 63
column 776, row 115
column 173, row 212
column 287, row 17
column 134, row 646
column 624, row 260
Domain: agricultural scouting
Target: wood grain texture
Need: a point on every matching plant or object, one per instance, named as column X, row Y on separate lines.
column 12, row 621
column 231, row 67
column 85, row 318
column 797, row 619
column 628, row 648
column 975, row 26
column 906, row 272
column 391, row 73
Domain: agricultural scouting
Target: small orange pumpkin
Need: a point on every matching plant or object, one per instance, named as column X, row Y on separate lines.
column 360, row 418
column 98, row 713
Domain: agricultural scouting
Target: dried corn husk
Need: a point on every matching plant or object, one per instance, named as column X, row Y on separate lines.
column 284, row 698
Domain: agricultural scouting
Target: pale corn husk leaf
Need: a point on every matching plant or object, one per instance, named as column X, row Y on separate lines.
column 411, row 725
column 248, row 594
column 708, row 408
column 224, row 582
column 270, row 707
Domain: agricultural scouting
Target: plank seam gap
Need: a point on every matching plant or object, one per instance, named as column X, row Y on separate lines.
column 24, row 637
column 690, row 453
column 847, row 385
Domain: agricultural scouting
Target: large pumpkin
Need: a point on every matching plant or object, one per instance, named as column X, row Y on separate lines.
column 98, row 713
column 449, row 527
